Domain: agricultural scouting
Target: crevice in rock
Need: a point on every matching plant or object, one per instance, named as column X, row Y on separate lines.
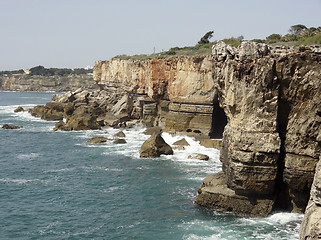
column 282, row 198
column 219, row 121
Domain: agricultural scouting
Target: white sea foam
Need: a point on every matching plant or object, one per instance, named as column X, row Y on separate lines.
column 282, row 226
column 21, row 181
column 28, row 156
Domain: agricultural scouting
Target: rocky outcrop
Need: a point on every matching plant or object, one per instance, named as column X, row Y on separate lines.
column 270, row 145
column 154, row 147
column 24, row 82
column 214, row 193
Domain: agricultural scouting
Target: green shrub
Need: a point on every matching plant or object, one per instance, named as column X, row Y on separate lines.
column 232, row 41
column 274, row 38
column 313, row 40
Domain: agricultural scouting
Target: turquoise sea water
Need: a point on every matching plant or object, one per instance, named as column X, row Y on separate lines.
column 53, row 185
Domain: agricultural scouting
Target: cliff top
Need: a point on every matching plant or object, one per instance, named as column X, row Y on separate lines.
column 299, row 35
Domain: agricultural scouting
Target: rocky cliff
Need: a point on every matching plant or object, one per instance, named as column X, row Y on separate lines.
column 266, row 99
column 24, row 82
column 264, row 102
column 168, row 89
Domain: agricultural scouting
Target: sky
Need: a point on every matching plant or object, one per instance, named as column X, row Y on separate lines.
column 76, row 33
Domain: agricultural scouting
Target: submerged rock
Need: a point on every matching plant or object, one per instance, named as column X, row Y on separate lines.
column 198, row 156
column 154, row 147
column 7, row 126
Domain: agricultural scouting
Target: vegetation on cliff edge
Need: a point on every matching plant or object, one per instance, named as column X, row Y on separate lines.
column 297, row 35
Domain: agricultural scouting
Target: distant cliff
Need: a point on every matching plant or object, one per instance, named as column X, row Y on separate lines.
column 25, row 82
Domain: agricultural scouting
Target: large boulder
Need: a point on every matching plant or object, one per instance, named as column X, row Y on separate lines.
column 119, row 134
column 81, row 119
column 154, row 147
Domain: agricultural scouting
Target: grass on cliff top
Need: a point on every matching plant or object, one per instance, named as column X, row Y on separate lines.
column 206, row 49
column 198, row 50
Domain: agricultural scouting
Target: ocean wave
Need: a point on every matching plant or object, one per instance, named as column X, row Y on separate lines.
column 282, row 226
column 21, row 181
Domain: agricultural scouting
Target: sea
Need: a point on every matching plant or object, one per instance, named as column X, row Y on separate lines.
column 54, row 185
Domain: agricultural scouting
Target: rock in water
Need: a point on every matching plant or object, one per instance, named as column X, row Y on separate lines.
column 7, row 126
column 152, row 130
column 211, row 143
column 181, row 142
column 19, row 109
column 154, row 147
column 120, row 134
column 198, row 156
column 214, row 193
column 119, row 141
column 97, row 140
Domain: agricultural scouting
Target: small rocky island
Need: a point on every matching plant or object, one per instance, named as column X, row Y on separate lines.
column 263, row 101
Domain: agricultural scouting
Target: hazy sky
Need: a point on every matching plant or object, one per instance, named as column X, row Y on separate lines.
column 76, row 33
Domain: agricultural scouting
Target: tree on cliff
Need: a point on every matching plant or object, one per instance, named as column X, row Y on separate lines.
column 206, row 37
column 297, row 29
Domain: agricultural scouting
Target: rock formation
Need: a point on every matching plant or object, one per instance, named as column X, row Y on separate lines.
column 154, row 147
column 263, row 101
column 270, row 145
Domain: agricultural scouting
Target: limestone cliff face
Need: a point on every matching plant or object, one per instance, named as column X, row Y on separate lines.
column 179, row 79
column 177, row 88
column 23, row 82
column 270, row 144
column 268, row 100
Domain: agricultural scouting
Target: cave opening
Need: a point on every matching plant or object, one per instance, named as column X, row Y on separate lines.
column 219, row 121
column 281, row 189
